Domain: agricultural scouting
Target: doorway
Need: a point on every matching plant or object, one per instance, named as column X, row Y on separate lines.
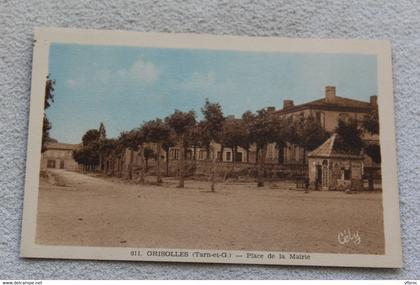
column 318, row 177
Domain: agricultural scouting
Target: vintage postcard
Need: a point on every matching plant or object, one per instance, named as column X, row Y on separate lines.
column 216, row 149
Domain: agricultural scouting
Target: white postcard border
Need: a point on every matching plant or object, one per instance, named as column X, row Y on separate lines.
column 382, row 49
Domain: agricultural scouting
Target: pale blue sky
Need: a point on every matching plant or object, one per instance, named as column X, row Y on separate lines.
column 124, row 86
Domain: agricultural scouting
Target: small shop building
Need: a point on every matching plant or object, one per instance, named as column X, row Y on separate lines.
column 330, row 168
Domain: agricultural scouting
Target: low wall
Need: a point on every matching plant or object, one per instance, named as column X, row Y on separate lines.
column 203, row 169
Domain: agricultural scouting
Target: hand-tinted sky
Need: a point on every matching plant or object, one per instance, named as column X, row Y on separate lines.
column 124, row 86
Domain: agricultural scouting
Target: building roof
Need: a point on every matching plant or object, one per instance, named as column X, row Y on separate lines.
column 329, row 149
column 339, row 103
column 62, row 146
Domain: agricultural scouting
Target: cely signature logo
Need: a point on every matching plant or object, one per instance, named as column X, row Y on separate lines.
column 347, row 236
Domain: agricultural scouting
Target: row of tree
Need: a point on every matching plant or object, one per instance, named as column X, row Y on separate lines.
column 46, row 124
column 182, row 129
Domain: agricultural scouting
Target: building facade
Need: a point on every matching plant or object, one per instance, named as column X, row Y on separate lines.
column 59, row 156
column 327, row 111
column 332, row 169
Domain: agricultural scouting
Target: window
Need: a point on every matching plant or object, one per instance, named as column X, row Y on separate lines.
column 228, row 158
column 320, row 118
column 345, row 173
column 344, row 117
column 189, row 154
column 296, row 153
column 51, row 163
column 174, row 153
column 201, row 154
column 270, row 153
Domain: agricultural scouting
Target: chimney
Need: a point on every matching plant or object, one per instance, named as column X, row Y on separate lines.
column 330, row 94
column 374, row 101
column 287, row 104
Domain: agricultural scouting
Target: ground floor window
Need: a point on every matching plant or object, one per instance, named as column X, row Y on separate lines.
column 238, row 157
column 174, row 153
column 202, row 154
column 189, row 154
column 228, row 158
column 345, row 173
column 51, row 163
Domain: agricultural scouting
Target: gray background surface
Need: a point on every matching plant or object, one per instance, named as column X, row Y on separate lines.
column 398, row 21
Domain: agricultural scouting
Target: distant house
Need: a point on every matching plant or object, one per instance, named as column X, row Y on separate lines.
column 59, row 156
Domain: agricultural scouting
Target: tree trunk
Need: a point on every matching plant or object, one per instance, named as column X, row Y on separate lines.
column 257, row 155
column 167, row 162
column 260, row 178
column 213, row 170
column 370, row 176
column 232, row 170
column 122, row 163
column 208, row 153
column 181, row 162
column 142, row 173
column 371, row 184
column 304, row 153
column 195, row 159
column 158, row 176
column 234, row 149
column 130, row 165
column 247, row 155
column 112, row 166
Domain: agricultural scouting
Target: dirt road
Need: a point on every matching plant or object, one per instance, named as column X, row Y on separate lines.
column 76, row 209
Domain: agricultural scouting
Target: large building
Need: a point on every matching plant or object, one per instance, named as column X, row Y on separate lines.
column 327, row 111
column 59, row 156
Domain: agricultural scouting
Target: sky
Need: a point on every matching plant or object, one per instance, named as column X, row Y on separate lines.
column 125, row 86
